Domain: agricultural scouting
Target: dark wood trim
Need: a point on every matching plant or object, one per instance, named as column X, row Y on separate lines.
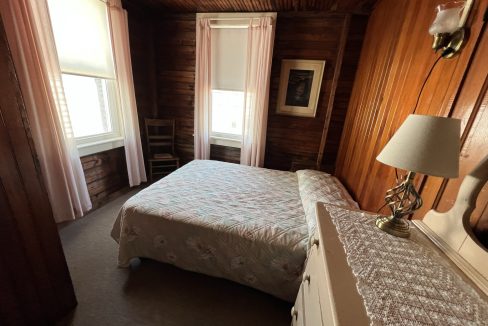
column 333, row 88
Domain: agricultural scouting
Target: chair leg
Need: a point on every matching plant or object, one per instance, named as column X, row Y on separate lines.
column 150, row 172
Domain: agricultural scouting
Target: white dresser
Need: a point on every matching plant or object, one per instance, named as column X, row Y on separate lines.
column 328, row 294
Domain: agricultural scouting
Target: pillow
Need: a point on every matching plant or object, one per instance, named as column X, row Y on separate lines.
column 316, row 186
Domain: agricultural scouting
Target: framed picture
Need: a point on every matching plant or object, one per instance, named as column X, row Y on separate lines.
column 300, row 83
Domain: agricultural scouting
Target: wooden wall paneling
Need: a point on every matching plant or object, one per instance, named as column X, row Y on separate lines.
column 33, row 272
column 464, row 102
column 357, row 6
column 333, row 88
column 310, row 36
column 342, row 96
column 225, row 153
column 143, row 58
column 289, row 139
column 175, row 62
column 471, row 107
column 403, row 68
column 141, row 37
column 376, row 75
column 394, row 62
column 106, row 175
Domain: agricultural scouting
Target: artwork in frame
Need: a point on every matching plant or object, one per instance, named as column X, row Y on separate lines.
column 299, row 91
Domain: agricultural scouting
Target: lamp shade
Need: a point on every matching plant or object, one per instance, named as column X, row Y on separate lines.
column 425, row 144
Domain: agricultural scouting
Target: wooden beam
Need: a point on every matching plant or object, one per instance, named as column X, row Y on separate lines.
column 335, row 79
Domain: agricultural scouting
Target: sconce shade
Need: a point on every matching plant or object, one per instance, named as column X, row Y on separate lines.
column 425, row 144
column 447, row 19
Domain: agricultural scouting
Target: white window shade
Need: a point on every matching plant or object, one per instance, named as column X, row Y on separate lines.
column 82, row 37
column 228, row 58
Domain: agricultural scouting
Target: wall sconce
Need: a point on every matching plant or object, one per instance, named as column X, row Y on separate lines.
column 448, row 27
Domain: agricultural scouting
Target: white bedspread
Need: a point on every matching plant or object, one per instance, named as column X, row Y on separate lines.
column 226, row 220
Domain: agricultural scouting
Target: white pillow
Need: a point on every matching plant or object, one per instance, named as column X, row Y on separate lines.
column 316, row 186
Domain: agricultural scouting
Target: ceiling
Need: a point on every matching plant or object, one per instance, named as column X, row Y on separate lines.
column 192, row 6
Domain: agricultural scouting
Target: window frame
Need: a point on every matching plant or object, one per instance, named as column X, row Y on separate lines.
column 92, row 144
column 223, row 138
column 101, row 142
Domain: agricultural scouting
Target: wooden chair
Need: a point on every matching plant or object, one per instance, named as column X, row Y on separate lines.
column 160, row 137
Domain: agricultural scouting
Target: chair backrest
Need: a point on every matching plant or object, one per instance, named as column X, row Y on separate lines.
column 160, row 135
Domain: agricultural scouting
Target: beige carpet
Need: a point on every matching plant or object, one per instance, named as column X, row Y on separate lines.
column 153, row 293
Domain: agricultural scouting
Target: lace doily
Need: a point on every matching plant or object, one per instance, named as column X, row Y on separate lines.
column 403, row 281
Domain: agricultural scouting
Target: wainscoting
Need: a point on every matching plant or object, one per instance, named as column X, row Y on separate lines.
column 105, row 175
column 225, row 153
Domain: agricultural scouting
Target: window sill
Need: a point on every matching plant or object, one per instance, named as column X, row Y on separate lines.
column 225, row 142
column 100, row 146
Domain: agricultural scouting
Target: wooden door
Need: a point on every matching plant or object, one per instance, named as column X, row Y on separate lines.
column 35, row 285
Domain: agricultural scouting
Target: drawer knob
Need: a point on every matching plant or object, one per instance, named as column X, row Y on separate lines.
column 294, row 312
column 315, row 242
column 306, row 278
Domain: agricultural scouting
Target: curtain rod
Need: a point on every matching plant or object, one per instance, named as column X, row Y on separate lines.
column 237, row 26
column 234, row 18
column 230, row 26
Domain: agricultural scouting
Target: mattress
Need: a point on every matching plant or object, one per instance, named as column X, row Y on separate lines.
column 232, row 221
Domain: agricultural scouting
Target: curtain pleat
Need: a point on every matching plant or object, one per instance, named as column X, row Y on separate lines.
column 203, row 84
column 256, row 94
column 123, row 70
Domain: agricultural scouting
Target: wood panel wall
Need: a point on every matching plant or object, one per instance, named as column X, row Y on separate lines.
column 225, row 153
column 313, row 36
column 357, row 6
column 394, row 63
column 175, row 74
column 35, row 285
column 142, row 45
column 106, row 175
column 306, row 35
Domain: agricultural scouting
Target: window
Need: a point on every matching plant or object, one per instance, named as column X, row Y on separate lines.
column 89, row 101
column 228, row 64
column 227, row 111
column 81, row 33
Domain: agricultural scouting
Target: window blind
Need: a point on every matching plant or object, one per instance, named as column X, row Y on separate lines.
column 228, row 61
column 82, row 37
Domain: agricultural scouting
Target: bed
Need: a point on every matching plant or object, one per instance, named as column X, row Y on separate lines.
column 246, row 224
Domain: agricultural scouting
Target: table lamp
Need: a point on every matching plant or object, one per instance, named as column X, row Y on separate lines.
column 423, row 144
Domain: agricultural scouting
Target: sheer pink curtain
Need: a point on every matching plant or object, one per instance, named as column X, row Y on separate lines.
column 202, row 90
column 31, row 40
column 259, row 58
column 123, row 70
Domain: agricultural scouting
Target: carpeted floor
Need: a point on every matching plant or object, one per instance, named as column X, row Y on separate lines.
column 153, row 293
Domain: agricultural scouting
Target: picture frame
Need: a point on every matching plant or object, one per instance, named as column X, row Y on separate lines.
column 300, row 83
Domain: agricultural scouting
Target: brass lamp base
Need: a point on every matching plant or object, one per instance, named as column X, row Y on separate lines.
column 398, row 227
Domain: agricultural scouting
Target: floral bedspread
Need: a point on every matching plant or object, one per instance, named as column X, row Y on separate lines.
column 226, row 220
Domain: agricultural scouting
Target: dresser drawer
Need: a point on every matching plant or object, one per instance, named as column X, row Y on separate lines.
column 310, row 285
column 323, row 286
column 297, row 310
